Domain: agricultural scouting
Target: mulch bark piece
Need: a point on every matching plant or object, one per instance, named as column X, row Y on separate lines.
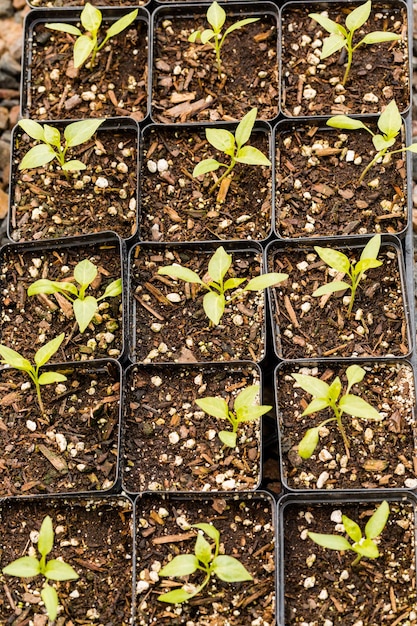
column 382, row 454
column 379, row 72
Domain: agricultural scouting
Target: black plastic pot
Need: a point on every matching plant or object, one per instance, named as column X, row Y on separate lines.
column 39, row 204
column 87, row 86
column 52, row 4
column 177, row 207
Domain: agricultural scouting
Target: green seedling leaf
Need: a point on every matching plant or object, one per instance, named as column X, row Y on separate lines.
column 332, row 287
column 263, row 281
column 216, row 16
column 121, row 24
column 44, row 354
column 244, row 129
column 203, row 549
column 355, row 374
column 333, row 542
column 380, row 36
column 366, row 264
column 37, row 156
column 47, row 378
column 73, row 165
column 14, row 359
column 221, row 139
column 43, row 285
column 412, row 148
column 332, row 44
column 214, row 304
column 91, row 18
column 230, row 570
column 175, row 597
column 206, row 166
column 52, row 135
column 367, row 548
column 252, row 156
column 335, row 389
column 371, row 250
column 83, row 47
column 46, row 537
column 352, row 528
column 210, row 530
column 377, row 522
column 308, row 443
column 333, row 258
column 180, row 273
column 316, row 405
column 216, row 407
column 382, row 143
column 206, row 35
column 219, row 264
column 50, row 599
column 32, row 128
column 316, row 387
column 232, row 283
column 80, row 132
column 328, row 24
column 240, row 24
column 84, row 311
column 85, row 272
column 112, row 290
column 25, row 567
column 182, row 565
column 228, row 438
column 64, row 28
column 345, row 122
column 247, row 397
column 358, row 16
column 58, row 570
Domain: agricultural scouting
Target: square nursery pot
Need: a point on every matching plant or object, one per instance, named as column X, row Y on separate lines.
column 94, row 536
column 81, row 3
column 74, row 445
column 177, row 207
column 164, row 529
column 381, row 454
column 186, row 85
column 317, row 581
column 53, row 89
column 170, row 444
column 307, row 327
column 46, row 204
column 167, row 322
column 318, row 191
column 379, row 73
column 27, row 322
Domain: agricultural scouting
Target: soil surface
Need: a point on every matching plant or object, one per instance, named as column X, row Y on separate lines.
column 177, row 207
column 73, row 447
column 381, row 454
column 94, row 537
column 187, row 85
column 116, row 85
column 379, row 73
column 322, row 582
column 103, row 197
column 306, row 326
column 171, row 444
column 27, row 322
column 246, row 532
column 318, row 188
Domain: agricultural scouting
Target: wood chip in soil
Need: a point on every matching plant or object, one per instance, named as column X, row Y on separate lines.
column 382, row 454
column 26, row 322
column 169, row 321
column 177, row 207
column 103, row 197
column 378, row 591
column 246, row 532
column 115, row 86
column 186, row 83
column 171, row 444
column 318, row 188
column 306, row 326
column 379, row 73
column 94, row 537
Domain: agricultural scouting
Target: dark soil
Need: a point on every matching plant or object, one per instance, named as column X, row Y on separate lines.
column 73, row 447
column 186, row 83
column 94, row 537
column 376, row 592
column 117, row 85
column 246, row 532
column 309, row 327
column 28, row 322
column 81, row 3
column 171, row 444
column 378, row 75
column 177, row 207
column 177, row 329
column 382, row 454
column 103, row 197
column 318, row 188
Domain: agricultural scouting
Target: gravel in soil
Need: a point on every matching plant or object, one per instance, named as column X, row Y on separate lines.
column 171, row 444
column 379, row 73
column 381, row 454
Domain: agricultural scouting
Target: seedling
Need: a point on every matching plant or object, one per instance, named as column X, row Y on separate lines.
column 214, row 300
column 341, row 37
column 355, row 271
column 216, row 17
column 54, row 569
column 42, row 356
column 51, row 146
column 87, row 43
column 364, row 546
column 328, row 396
column 389, row 123
column 245, row 407
column 232, row 146
column 227, row 568
column 85, row 307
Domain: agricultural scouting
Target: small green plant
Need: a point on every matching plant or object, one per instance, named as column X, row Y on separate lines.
column 87, row 43
column 341, row 37
column 355, row 271
column 389, row 123
column 214, row 300
column 51, row 146
column 84, row 306
column 328, row 396
column 54, row 569
column 364, row 546
column 232, row 146
column 245, row 409
column 15, row 360
column 227, row 568
column 216, row 17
